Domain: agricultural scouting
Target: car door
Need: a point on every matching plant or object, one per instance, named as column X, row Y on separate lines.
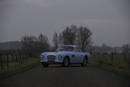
column 78, row 57
column 81, row 57
column 73, row 57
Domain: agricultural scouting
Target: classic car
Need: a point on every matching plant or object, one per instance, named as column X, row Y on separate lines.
column 65, row 55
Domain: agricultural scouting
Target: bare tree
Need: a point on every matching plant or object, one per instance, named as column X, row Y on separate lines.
column 83, row 37
column 32, row 44
column 55, row 40
column 42, row 38
column 126, row 48
column 60, row 39
column 28, row 42
column 126, row 52
column 43, row 43
column 68, row 35
column 80, row 36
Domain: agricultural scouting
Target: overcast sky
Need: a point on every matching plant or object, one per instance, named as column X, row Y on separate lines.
column 108, row 19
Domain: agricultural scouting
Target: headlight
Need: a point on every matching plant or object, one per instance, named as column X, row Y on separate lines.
column 60, row 57
column 40, row 56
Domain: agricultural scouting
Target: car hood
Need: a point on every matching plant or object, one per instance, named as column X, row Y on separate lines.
column 49, row 53
column 54, row 53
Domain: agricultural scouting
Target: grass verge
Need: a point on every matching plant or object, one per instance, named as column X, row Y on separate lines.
column 20, row 69
column 119, row 71
column 115, row 63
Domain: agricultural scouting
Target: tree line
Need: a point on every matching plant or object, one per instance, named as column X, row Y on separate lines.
column 33, row 46
column 71, row 35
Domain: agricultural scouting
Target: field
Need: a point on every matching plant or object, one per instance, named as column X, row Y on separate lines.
column 74, row 76
column 118, row 63
column 12, row 63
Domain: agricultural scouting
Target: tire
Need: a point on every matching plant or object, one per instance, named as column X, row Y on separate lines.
column 44, row 64
column 66, row 62
column 85, row 62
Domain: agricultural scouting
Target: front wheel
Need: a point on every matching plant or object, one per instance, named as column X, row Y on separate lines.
column 66, row 62
column 85, row 62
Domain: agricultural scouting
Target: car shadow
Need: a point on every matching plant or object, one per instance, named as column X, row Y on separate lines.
column 60, row 66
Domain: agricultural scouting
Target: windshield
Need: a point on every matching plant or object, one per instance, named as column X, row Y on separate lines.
column 65, row 48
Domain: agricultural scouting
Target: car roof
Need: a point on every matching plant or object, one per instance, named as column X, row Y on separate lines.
column 74, row 46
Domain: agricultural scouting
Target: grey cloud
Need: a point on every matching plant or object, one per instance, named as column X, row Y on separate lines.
column 103, row 17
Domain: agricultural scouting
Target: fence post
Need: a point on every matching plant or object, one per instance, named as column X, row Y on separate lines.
column 20, row 58
column 112, row 58
column 1, row 62
column 7, row 58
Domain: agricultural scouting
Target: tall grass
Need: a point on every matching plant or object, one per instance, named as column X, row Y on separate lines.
column 114, row 62
column 16, row 61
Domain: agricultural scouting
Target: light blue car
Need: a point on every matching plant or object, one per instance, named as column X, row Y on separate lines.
column 65, row 55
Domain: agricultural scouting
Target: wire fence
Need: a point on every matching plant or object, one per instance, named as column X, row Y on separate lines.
column 119, row 60
column 10, row 60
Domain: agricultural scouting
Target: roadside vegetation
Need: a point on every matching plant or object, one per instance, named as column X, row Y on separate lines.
column 114, row 62
column 25, row 55
column 16, row 60
column 11, row 64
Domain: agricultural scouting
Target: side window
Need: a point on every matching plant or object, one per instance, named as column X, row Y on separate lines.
column 77, row 50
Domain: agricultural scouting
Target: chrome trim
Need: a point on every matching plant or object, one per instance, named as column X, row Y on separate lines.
column 51, row 57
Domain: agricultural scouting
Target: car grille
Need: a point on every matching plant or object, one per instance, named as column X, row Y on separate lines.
column 51, row 57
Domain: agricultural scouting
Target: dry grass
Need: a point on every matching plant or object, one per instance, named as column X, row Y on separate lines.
column 18, row 68
column 116, row 63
